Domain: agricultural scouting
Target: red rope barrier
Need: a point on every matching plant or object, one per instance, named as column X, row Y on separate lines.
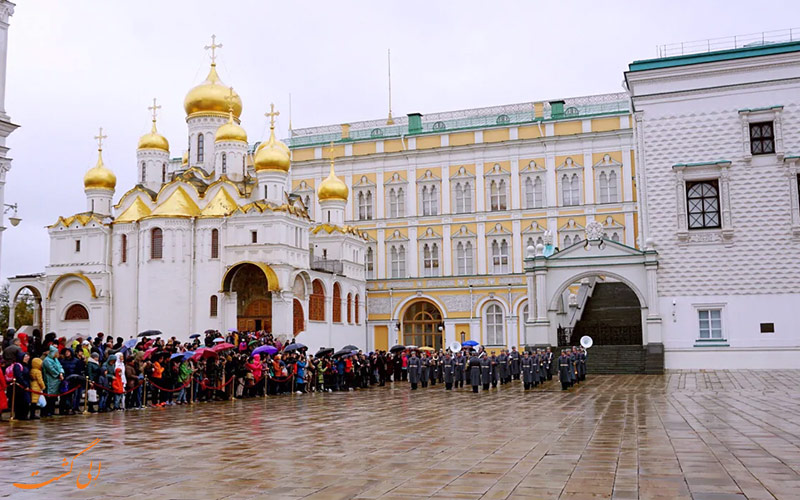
column 218, row 388
column 48, row 395
column 168, row 390
column 109, row 389
column 281, row 379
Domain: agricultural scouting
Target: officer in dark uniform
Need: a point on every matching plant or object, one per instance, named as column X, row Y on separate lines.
column 549, row 363
column 413, row 370
column 474, row 371
column 424, row 364
column 514, row 358
column 486, row 371
column 526, row 367
column 501, row 366
column 460, row 365
column 448, row 366
column 564, row 370
column 434, row 367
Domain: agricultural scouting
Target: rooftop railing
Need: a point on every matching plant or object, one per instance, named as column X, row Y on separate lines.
column 728, row 43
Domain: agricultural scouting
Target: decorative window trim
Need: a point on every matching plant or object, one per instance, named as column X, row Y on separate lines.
column 464, row 242
column 501, row 325
column 395, row 182
column 572, row 230
column 793, row 171
column 610, row 227
column 607, row 165
column 499, row 239
column 425, row 182
column 720, row 342
column 497, row 174
column 704, row 171
column 770, row 113
column 569, row 167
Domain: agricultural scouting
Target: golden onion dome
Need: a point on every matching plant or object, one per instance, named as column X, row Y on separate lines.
column 153, row 140
column 99, row 177
column 272, row 155
column 332, row 188
column 212, row 96
column 230, row 131
column 185, row 158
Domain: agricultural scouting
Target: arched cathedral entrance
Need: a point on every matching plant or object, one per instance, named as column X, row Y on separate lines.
column 422, row 325
column 253, row 296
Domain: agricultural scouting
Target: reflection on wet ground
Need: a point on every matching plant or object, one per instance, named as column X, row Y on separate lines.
column 702, row 435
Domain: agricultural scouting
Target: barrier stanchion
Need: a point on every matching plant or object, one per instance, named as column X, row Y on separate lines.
column 86, row 397
column 13, row 399
column 266, row 386
column 145, row 391
column 191, row 388
column 294, row 379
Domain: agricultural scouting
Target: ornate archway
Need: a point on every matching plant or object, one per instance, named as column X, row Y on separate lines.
column 298, row 319
column 421, row 323
column 253, row 285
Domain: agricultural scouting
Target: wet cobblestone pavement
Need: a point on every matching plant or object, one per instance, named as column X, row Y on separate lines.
column 702, row 435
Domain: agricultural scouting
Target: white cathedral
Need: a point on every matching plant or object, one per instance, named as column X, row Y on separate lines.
column 211, row 241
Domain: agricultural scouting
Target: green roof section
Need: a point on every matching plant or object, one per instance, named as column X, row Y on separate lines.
column 702, row 164
column 765, row 49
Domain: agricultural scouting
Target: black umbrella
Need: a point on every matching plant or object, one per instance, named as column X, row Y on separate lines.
column 343, row 352
column 294, row 347
column 398, row 348
column 209, row 331
column 150, row 333
column 350, row 347
column 324, row 351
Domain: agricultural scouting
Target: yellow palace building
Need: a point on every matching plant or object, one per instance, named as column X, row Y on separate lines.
column 451, row 202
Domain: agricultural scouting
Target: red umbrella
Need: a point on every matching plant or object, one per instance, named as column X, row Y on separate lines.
column 148, row 352
column 222, row 346
column 204, row 352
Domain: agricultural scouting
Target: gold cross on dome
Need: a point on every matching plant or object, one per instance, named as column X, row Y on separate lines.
column 230, row 98
column 100, row 138
column 333, row 152
column 154, row 108
column 214, row 46
column 271, row 115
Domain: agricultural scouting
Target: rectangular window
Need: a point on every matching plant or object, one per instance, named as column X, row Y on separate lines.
column 253, row 236
column 710, row 324
column 77, row 245
column 762, row 138
column 124, row 245
column 767, row 327
column 702, row 200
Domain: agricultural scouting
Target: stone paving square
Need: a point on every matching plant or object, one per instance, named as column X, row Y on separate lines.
column 707, row 436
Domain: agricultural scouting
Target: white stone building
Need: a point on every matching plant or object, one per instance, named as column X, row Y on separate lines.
column 6, row 127
column 212, row 241
column 718, row 138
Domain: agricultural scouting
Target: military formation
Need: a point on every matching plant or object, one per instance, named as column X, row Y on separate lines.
column 477, row 368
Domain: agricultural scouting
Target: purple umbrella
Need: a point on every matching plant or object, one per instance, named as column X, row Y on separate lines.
column 269, row 349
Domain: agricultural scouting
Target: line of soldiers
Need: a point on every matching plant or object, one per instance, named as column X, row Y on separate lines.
column 481, row 369
column 571, row 367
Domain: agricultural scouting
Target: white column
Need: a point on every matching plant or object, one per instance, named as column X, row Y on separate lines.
column 480, row 195
column 348, row 213
column 588, row 179
column 480, row 245
column 515, row 204
column 6, row 11
column 380, row 256
column 517, row 251
column 627, row 181
column 629, row 239
column 413, row 252
column 449, row 332
column 551, row 194
column 445, row 195
column 380, row 200
column 411, row 195
column 447, row 251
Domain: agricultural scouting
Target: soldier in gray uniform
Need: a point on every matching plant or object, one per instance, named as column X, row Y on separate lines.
column 502, row 364
column 514, row 358
column 526, row 367
column 474, row 372
column 460, row 362
column 486, row 371
column 495, row 373
column 434, row 367
column 549, row 361
column 536, row 366
column 413, row 370
column 448, row 365
column 564, row 370
column 544, row 368
column 424, row 370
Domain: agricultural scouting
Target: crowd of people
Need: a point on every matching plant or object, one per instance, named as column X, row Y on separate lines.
column 47, row 376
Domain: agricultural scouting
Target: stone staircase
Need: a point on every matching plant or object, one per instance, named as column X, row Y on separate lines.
column 625, row 359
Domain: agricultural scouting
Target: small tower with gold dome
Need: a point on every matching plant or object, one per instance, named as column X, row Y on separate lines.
column 272, row 163
column 207, row 109
column 230, row 147
column 99, row 183
column 152, row 156
column 332, row 195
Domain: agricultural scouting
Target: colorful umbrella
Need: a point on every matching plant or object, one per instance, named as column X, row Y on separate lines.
column 294, row 347
column 222, row 346
column 469, row 343
column 194, row 335
column 269, row 349
column 148, row 352
column 130, row 343
column 176, row 355
column 204, row 352
column 426, row 348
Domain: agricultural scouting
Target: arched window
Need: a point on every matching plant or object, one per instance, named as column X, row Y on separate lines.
column 144, row 172
column 430, row 200
column 603, row 187
column 307, row 203
column 369, row 205
column 497, row 192
column 612, row 187
column 525, row 313
column 397, row 202
column 538, row 193
column 529, row 198
column 76, row 312
column 215, row 244
column 156, row 243
column 576, row 239
column 224, row 163
column 467, row 197
column 350, row 308
column 200, row 148
column 337, row 303
column 355, row 309
column 370, row 263
column 494, row 325
column 397, row 256
column 163, row 173
column 430, row 260
column 459, row 192
column 567, row 241
column 365, row 205
column 499, row 256
column 615, row 237
column 123, row 243
column 575, row 187
column 316, row 302
column 213, row 307
column 464, row 258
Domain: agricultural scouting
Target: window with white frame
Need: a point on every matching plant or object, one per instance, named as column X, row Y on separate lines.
column 144, row 172
column 762, row 132
column 464, row 260
column 710, row 324
column 497, row 195
column 499, row 256
column 702, row 200
column 200, row 148
column 534, row 192
column 397, row 259
column 365, row 205
column 397, row 202
column 494, row 325
column 224, row 163
column 430, row 259
column 607, row 187
column 370, row 263
column 570, row 190
column 463, row 195
column 703, row 196
column 430, row 200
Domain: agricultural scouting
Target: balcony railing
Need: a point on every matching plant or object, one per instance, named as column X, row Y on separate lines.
column 328, row 266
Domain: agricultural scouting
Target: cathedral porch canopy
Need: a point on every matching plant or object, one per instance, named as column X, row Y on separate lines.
column 272, row 279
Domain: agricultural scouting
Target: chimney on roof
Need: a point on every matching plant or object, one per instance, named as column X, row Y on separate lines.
column 345, row 130
column 538, row 110
column 414, row 123
column 556, row 109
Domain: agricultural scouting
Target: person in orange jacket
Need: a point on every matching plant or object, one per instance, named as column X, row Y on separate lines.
column 118, row 389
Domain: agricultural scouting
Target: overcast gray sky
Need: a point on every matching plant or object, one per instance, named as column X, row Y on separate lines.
column 75, row 66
